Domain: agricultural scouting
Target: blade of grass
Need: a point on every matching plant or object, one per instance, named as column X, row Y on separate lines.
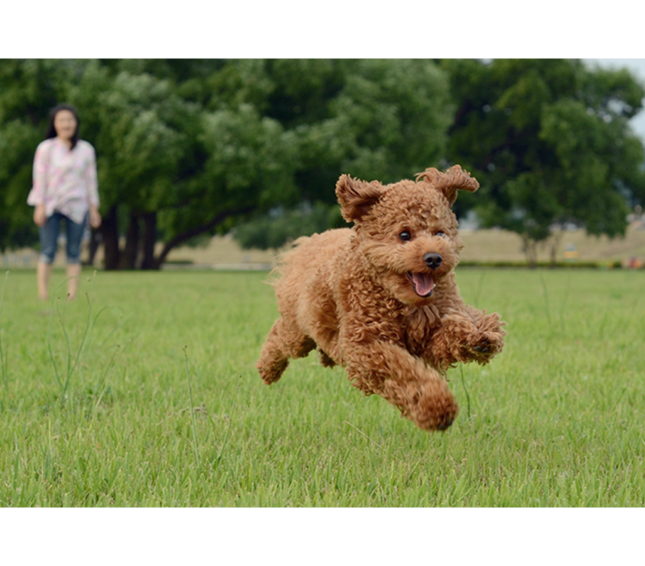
column 123, row 319
column 103, row 381
column 192, row 407
column 48, row 340
column 230, row 421
column 365, row 435
column 463, row 384
column 69, row 349
column 70, row 368
column 87, row 327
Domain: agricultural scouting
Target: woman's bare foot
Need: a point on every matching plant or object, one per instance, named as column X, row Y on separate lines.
column 43, row 274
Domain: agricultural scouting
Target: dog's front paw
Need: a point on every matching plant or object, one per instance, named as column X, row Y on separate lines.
column 489, row 344
column 486, row 344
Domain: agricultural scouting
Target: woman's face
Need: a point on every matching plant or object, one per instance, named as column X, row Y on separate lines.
column 65, row 124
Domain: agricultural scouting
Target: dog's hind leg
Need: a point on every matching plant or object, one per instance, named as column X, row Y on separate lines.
column 284, row 341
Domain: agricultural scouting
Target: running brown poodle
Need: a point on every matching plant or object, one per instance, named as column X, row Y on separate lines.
column 381, row 299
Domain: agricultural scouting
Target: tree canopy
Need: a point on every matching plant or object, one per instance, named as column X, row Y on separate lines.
column 550, row 142
column 188, row 148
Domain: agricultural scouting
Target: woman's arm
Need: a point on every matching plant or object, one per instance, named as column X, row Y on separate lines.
column 91, row 185
column 39, row 190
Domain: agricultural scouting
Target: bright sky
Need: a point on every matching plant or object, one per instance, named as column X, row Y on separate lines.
column 637, row 66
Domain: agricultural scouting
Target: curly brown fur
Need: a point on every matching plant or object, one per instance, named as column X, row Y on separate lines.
column 381, row 299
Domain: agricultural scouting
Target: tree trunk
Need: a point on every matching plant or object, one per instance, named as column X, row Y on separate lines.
column 149, row 240
column 110, row 235
column 557, row 239
column 530, row 250
column 131, row 250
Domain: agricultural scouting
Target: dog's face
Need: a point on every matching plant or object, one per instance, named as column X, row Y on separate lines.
column 407, row 230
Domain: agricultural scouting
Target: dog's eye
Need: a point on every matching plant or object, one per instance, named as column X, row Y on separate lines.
column 440, row 234
column 405, row 236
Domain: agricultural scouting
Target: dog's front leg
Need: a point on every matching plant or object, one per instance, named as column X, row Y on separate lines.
column 421, row 393
column 467, row 335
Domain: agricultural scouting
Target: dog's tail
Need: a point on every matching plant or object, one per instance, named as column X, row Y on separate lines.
column 283, row 260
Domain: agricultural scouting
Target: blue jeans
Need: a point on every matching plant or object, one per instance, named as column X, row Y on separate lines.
column 49, row 238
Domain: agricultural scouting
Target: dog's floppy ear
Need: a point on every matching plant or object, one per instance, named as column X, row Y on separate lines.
column 356, row 197
column 453, row 180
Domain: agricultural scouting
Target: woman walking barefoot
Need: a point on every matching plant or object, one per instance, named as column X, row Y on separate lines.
column 64, row 188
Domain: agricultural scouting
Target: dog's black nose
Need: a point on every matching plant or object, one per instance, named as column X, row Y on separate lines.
column 432, row 260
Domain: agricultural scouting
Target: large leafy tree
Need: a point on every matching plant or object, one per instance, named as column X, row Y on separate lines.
column 373, row 119
column 550, row 142
column 238, row 159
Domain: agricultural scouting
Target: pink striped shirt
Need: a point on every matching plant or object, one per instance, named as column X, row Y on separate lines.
column 64, row 179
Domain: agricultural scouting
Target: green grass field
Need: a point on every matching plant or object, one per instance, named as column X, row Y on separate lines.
column 146, row 395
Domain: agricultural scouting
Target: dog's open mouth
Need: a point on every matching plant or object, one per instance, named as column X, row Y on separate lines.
column 423, row 283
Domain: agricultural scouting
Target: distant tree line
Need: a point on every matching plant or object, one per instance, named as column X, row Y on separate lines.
column 190, row 148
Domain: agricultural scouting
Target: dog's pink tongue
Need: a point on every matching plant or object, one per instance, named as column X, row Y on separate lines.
column 423, row 283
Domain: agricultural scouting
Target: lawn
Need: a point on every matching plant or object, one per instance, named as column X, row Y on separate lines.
column 143, row 392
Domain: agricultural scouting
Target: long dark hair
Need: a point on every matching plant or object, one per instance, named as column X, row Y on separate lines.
column 51, row 130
